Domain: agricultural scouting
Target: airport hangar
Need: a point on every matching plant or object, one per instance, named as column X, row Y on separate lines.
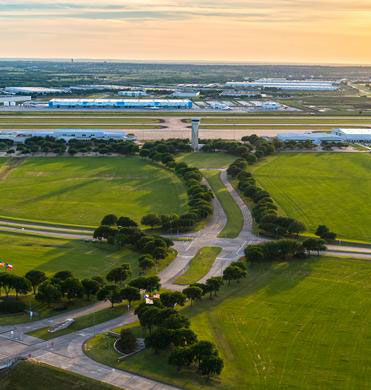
column 121, row 103
column 336, row 135
column 20, row 136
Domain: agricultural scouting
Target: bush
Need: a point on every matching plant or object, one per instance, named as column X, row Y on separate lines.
column 10, row 306
column 127, row 342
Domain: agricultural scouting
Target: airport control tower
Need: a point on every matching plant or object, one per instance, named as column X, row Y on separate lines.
column 195, row 127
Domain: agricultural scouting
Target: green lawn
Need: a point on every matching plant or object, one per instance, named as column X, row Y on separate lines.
column 298, row 325
column 83, row 190
column 199, row 265
column 206, row 160
column 82, row 322
column 234, row 215
column 323, row 188
column 35, row 376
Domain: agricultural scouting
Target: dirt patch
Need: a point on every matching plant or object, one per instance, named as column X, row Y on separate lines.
column 9, row 166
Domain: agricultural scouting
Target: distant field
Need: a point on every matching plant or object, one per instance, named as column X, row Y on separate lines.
column 83, row 190
column 33, row 376
column 206, row 160
column 44, row 126
column 323, row 188
column 297, row 325
column 59, row 119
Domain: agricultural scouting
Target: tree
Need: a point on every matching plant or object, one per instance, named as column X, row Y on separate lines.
column 7, row 281
column 212, row 365
column 91, row 287
column 146, row 262
column 314, row 244
column 63, row 275
column 48, row 293
column 151, row 220
column 128, row 341
column 233, row 272
column 99, row 280
column 126, row 222
column 21, row 285
column 109, row 219
column 140, row 282
column 181, row 357
column 119, row 274
column 159, row 340
column 204, row 349
column 296, row 227
column 170, row 299
column 321, row 230
column 73, row 288
column 192, row 293
column 214, row 284
column 35, row 277
column 254, row 253
column 130, row 294
column 152, row 284
column 148, row 317
column 184, row 337
column 109, row 293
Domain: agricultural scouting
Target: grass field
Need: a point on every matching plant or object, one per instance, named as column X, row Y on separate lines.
column 83, row 190
column 324, row 188
column 206, row 160
column 82, row 322
column 298, row 325
column 233, row 212
column 46, row 126
column 199, row 265
column 34, row 376
column 50, row 255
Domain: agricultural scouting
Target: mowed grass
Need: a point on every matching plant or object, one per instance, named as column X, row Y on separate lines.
column 323, row 188
column 50, row 255
column 199, row 265
column 234, row 215
column 35, row 376
column 298, row 325
column 83, row 190
column 203, row 160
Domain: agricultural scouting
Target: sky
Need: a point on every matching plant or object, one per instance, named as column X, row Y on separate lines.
column 270, row 31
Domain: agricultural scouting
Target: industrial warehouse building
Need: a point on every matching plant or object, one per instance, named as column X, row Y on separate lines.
column 283, row 84
column 121, row 103
column 336, row 135
column 186, row 94
column 67, row 134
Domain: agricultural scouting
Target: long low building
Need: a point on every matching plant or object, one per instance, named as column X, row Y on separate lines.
column 20, row 136
column 354, row 135
column 35, row 90
column 336, row 135
column 283, row 84
column 121, row 103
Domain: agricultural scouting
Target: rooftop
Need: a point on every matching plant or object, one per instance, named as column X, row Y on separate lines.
column 355, row 131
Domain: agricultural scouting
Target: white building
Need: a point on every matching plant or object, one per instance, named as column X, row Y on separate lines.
column 186, row 94
column 283, row 84
column 133, row 93
column 265, row 105
column 218, row 106
column 353, row 135
column 35, row 90
column 316, row 138
column 155, row 104
column 19, row 136
column 11, row 100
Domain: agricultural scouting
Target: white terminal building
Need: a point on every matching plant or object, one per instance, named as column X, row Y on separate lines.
column 35, row 90
column 284, row 84
column 121, row 103
column 186, row 94
column 336, row 135
column 20, row 136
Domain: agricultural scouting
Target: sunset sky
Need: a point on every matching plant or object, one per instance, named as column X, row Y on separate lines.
column 289, row 31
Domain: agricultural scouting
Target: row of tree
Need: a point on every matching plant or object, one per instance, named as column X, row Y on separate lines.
column 283, row 249
column 124, row 232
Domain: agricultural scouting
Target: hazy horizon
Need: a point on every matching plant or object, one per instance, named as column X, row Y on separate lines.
column 299, row 32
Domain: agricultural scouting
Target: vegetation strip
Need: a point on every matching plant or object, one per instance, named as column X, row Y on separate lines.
column 234, row 215
column 199, row 265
